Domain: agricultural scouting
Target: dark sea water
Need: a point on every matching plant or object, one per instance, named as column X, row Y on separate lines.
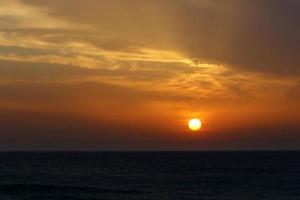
column 150, row 175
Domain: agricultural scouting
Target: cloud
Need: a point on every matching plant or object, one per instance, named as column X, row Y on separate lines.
column 256, row 36
column 293, row 93
column 197, row 45
column 68, row 131
column 16, row 15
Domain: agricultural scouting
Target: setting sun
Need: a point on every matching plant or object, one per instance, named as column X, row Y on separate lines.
column 195, row 124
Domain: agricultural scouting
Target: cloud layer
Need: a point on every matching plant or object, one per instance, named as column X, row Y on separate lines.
column 125, row 62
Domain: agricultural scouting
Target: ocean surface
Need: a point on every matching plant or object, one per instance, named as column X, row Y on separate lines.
column 150, row 175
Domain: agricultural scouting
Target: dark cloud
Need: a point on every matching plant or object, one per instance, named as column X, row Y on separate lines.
column 252, row 35
column 52, row 131
column 27, row 130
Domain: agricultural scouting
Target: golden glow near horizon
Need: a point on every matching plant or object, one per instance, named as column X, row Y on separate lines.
column 195, row 124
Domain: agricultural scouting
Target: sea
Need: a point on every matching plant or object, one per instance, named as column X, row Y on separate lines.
column 255, row 175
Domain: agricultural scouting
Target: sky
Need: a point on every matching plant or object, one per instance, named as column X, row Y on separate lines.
column 129, row 74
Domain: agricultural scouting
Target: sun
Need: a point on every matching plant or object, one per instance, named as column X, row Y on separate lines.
column 195, row 124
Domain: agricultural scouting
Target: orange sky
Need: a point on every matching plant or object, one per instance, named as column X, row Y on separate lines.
column 129, row 74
